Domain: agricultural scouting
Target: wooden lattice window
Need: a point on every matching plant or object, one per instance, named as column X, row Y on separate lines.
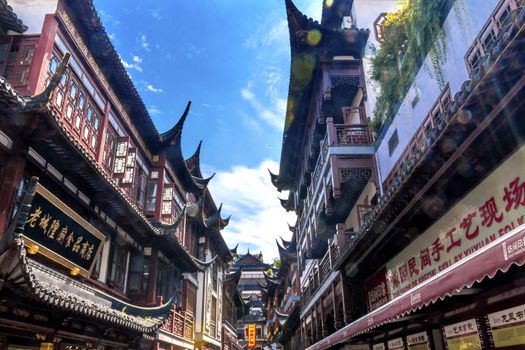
column 121, row 154
column 129, row 169
column 109, row 147
column 19, row 60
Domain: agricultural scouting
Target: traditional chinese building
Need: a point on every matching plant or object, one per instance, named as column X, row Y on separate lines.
column 282, row 293
column 251, row 268
column 327, row 159
column 436, row 261
column 103, row 228
column 234, row 308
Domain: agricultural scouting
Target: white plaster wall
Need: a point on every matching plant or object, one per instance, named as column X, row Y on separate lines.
column 459, row 37
column 352, row 221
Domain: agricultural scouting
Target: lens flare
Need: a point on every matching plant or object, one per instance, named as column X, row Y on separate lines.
column 313, row 37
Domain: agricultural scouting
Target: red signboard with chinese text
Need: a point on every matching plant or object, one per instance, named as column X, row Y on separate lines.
column 377, row 290
column 492, row 209
column 252, row 342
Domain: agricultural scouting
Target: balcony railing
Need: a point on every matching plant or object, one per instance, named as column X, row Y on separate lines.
column 318, row 275
column 352, row 135
column 180, row 324
column 362, row 211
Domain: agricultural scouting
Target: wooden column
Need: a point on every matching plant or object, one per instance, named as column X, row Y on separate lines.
column 338, row 322
column 153, row 275
column 347, row 301
column 10, row 176
column 340, row 236
column 42, row 55
column 101, row 142
column 324, row 329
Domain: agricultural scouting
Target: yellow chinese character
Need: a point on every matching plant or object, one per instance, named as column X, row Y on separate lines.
column 44, row 222
column 34, row 216
column 76, row 246
column 89, row 252
column 55, row 224
column 70, row 239
column 62, row 235
column 85, row 245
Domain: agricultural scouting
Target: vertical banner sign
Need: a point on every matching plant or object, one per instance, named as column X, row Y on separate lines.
column 508, row 327
column 252, row 342
column 396, row 344
column 463, row 335
column 418, row 341
column 60, row 234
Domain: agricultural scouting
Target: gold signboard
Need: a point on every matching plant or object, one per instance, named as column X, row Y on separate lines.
column 463, row 336
column 418, row 341
column 508, row 327
column 396, row 344
column 252, row 342
column 60, row 234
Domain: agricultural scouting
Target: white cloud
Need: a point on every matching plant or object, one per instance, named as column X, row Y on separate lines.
column 129, row 66
column 32, row 12
column 257, row 216
column 207, row 105
column 192, row 50
column 143, row 41
column 136, row 59
column 276, row 37
column 151, row 88
column 156, row 13
column 272, row 113
column 154, row 110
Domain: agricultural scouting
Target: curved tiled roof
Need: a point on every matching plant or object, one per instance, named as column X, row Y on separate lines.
column 309, row 41
column 11, row 101
column 60, row 292
column 9, row 20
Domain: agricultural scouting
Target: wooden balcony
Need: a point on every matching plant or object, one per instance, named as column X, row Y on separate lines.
column 319, row 274
column 352, row 135
column 354, row 130
column 180, row 324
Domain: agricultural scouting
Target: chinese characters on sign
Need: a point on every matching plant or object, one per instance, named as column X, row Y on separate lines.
column 396, row 344
column 418, row 341
column 380, row 346
column 252, row 342
column 61, row 234
column 508, row 327
column 463, row 335
column 491, row 210
column 377, row 290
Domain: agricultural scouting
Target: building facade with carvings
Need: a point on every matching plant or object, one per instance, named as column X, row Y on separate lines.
column 250, row 269
column 282, row 292
column 429, row 253
column 328, row 161
column 109, row 237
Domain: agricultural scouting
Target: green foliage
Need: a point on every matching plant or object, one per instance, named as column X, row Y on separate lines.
column 276, row 263
column 409, row 35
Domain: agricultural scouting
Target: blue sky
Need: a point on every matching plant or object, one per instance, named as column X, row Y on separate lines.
column 232, row 59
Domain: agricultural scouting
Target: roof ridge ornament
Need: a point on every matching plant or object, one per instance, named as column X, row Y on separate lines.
column 175, row 132
column 275, row 180
column 41, row 100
